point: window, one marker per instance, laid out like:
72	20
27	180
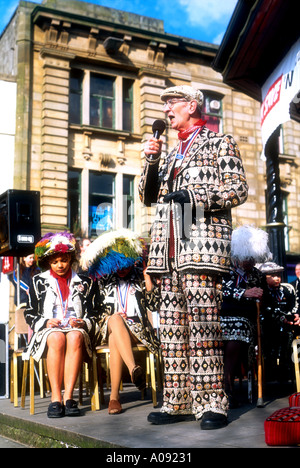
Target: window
74	190
101	101
101	203
212	111
128	202
75	96
127	105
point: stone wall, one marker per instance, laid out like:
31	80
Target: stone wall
47	146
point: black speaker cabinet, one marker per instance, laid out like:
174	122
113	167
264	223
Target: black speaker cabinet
20	225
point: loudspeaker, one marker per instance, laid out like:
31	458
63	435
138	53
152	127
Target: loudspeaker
20	225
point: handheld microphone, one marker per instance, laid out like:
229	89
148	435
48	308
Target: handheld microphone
158	127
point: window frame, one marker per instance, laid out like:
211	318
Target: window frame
213	96
75	92
129	202
119	201
78	193
118	101
130	101
111	196
101	98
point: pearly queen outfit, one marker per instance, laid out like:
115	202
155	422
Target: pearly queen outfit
45	302
191	263
130	298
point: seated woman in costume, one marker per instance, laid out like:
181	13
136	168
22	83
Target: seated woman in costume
61	313
126	292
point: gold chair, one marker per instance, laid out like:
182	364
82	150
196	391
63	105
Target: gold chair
153	373
89	378
21	330
29	370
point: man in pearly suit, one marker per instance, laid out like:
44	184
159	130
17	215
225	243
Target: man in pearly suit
194	187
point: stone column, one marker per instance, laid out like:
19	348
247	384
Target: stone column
151	88
23	110
55	133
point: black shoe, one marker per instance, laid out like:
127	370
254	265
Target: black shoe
212	420
56	410
71	408
166	418
138	377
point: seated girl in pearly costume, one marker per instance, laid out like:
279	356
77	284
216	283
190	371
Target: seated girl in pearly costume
62	314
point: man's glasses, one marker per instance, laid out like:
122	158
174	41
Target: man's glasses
171	102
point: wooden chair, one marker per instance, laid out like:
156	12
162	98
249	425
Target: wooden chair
153	373
89	378
21	330
29	370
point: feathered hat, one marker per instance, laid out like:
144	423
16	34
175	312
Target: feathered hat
53	243
113	251
250	243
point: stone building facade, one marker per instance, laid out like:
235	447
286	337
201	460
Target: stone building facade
89	80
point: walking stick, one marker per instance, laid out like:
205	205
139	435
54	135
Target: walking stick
260	402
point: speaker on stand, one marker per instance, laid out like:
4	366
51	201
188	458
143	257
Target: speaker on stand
20	230
20	225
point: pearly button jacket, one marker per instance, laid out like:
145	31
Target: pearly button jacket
212	173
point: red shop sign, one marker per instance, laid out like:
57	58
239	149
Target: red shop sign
7	265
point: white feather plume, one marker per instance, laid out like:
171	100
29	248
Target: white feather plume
249	242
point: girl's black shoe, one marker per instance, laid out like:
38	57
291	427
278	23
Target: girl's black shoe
71	408
56	410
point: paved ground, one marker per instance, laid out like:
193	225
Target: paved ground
131	429
8	443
